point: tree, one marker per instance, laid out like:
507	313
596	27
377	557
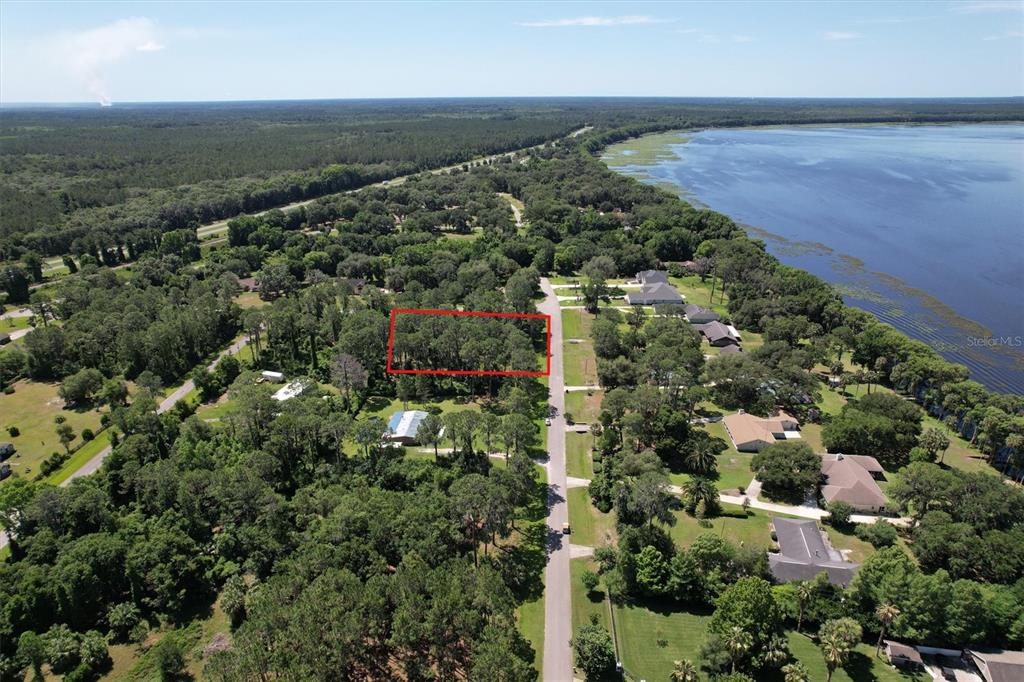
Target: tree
32	650
795	672
114	392
886	614
738	641
232	599
518	433
652	571
170	659
590	581
788	471
701	456
881	533
839	514
429	431
933	440
700	490
836	640
65	434
347	373
804	592
683	671
368	432
595	653
80	386
750	605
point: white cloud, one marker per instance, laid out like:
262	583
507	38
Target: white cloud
986	6
593	21
89	54
841	35
1005	35
742	39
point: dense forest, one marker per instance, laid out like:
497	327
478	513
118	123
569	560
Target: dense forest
305	527
82	180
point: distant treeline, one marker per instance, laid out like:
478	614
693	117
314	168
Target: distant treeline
85	180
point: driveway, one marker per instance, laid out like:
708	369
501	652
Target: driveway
557	586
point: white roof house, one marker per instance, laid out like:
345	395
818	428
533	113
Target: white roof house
291	390
275	377
402	426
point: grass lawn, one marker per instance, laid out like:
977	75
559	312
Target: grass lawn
862	666
576	324
79	458
584	604
651	639
584	406
580	364
733	466
216	410
752	528
589	525
13	324
31	408
577	455
250	299
530	617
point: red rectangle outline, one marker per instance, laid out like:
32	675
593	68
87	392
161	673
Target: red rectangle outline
464	372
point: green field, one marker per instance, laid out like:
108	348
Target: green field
589	525
579	364
577	455
576	324
31	408
584	406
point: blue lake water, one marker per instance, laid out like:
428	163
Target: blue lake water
921	225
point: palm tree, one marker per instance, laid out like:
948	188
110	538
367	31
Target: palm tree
701	457
834	653
795	672
738	642
804	592
775	652
700	489
886	614
683	671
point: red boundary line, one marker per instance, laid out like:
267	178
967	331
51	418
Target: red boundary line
395	312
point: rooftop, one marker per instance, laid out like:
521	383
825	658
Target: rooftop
405	424
998	665
803	554
850	479
744	427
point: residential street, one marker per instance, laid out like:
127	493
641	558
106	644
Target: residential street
557	587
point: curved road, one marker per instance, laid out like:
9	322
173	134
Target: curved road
557	586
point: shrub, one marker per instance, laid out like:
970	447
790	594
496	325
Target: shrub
880	533
8	390
839	514
122	619
13	431
590	580
87	435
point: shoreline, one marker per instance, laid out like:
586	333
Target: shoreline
934	322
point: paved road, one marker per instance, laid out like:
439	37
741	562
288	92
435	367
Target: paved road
557	587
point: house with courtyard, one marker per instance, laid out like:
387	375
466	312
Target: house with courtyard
853	479
750	433
804	552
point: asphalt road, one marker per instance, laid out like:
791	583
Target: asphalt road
557	587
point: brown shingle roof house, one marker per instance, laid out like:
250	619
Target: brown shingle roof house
998	666
750	433
851	479
717	333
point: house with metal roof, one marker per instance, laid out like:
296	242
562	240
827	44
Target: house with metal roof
804	552
402	426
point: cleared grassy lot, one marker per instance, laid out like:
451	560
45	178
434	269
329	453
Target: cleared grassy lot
576	324
32	408
584	406
577	455
590	526
579	364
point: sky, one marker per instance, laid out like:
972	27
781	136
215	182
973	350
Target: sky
196	51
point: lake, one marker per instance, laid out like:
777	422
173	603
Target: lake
921	225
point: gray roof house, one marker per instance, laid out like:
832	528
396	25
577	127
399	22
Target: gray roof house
998	666
652	277
6	450
658	293
717	333
698	314
803	554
